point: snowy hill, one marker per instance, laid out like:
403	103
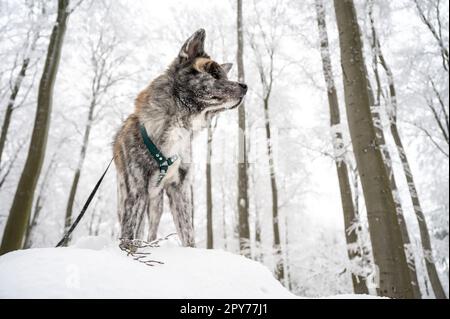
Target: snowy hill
94	269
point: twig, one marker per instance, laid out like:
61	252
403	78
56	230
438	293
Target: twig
131	247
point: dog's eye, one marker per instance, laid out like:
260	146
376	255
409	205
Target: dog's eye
215	74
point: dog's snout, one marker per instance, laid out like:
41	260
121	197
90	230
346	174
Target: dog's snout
243	87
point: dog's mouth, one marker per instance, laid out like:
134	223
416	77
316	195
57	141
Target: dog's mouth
241	99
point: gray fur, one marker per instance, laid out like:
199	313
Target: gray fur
176	104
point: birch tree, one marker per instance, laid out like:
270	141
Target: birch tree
387	244
20	211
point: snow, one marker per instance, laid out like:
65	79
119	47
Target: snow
92	268
96	268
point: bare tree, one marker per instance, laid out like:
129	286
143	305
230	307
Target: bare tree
266	69
104	67
40	199
209	197
20	211
353	249
375	102
258	252
288	280
435	28
435	103
6	169
387	244
392	114
242	194
29	47
430	14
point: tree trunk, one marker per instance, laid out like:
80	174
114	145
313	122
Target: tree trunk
424	234
23	199
359	282
192	168
76	177
258	254
381	141
387	244
348	208
279	268
363	246
39	203
288	283
242	200
15	91
224	223
258	247
10	106
209	204
10	165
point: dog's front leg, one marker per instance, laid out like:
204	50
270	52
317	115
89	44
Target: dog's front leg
181	207
154	213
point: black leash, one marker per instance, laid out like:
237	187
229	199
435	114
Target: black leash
83	210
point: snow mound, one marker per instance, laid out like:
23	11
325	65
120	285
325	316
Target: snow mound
94	269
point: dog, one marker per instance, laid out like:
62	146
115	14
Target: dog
172	108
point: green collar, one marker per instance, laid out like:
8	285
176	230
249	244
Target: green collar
162	161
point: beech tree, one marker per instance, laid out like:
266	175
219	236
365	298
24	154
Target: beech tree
24	63
348	208
17	222
104	64
387	244
392	106
265	51
242	193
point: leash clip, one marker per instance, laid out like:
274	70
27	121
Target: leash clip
164	167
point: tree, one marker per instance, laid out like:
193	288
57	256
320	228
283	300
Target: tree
436	31
265	59
392	115
242	195
28	242
434	23
6	169
104	68
375	102
20	211
387	244
33	35
348	208
209	197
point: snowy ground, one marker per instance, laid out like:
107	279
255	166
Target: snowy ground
93	268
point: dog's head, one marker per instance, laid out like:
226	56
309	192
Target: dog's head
200	83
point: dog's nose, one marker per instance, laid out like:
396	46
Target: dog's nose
244	87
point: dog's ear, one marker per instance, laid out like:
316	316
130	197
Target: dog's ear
194	46
227	67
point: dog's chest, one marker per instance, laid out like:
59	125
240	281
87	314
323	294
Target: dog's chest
177	142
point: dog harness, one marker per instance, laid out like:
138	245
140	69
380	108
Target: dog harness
162	161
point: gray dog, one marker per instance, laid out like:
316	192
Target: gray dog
174	105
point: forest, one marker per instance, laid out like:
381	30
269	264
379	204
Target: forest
333	173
